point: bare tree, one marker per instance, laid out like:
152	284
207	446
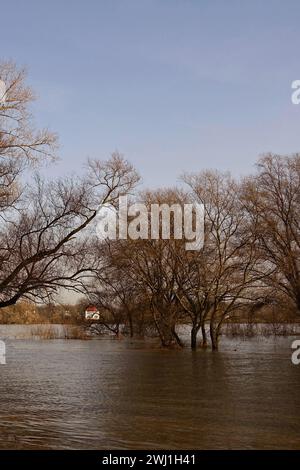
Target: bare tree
272	198
229	274
20	143
18	138
45	245
193	291
113	288
45	233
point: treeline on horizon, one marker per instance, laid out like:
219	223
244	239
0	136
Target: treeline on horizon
250	258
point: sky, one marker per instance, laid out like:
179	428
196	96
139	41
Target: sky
173	85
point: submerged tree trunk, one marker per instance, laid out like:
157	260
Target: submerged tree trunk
194	333
178	340
130	322
204	335
214	337
166	333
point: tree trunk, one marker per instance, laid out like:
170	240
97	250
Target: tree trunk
130	324
214	338
117	331
194	332
204	336
178	340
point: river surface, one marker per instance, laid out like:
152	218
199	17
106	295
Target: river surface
121	394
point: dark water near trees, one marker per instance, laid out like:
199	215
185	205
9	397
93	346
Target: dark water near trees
119	394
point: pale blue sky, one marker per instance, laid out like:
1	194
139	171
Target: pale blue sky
174	85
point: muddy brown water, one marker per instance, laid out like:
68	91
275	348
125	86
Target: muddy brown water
110	394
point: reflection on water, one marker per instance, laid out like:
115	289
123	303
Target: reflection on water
104	394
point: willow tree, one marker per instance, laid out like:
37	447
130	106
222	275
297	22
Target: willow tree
45	225
21	144
272	199
226	275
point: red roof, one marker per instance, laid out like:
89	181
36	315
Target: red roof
91	308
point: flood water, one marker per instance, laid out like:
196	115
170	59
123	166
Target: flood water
118	394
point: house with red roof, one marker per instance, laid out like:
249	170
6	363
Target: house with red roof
91	313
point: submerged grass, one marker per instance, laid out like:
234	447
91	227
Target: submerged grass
250	330
58	332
